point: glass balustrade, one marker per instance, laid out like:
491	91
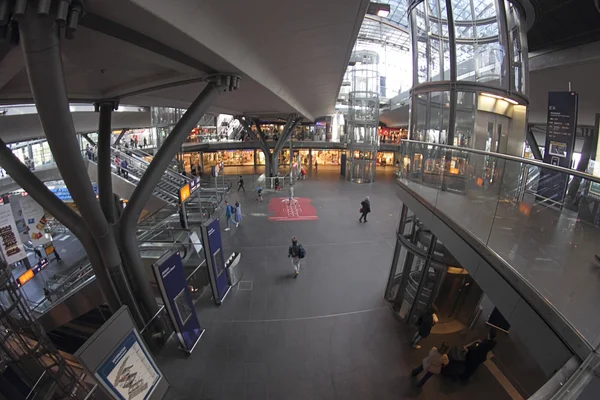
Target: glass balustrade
544	222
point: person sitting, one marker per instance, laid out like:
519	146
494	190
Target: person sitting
477	354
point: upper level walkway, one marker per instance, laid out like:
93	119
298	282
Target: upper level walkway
545	249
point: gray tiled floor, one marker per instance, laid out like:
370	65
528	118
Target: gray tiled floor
327	334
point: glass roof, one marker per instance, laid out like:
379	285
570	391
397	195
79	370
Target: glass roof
376	30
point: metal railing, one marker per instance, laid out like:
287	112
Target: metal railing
521	210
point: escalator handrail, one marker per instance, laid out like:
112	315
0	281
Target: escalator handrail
177	176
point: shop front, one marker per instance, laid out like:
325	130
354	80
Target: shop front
237	158
392	135
385	158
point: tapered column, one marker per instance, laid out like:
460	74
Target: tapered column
105	190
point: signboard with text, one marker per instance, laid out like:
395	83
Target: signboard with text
35	219
560	143
213	247
10	242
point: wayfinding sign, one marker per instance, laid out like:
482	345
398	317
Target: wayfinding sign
560	143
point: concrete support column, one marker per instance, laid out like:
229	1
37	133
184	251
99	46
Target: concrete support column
255	159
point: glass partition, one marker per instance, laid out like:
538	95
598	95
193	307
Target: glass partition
552	245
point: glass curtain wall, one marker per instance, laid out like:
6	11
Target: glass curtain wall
463	50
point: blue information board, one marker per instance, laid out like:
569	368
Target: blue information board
211	232
178	300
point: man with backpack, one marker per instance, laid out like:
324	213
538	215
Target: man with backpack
365	208
296	252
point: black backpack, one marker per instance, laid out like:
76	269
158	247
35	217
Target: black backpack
301	251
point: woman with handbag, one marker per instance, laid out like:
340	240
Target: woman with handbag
365	208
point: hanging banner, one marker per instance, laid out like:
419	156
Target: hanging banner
15	206
560	143
178	300
35	219
10	242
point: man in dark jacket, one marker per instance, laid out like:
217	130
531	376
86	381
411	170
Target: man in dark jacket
477	354
425	322
365	208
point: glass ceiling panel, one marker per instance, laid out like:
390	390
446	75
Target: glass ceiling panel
378	32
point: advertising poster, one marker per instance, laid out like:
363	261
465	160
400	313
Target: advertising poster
10	242
560	143
216	249
35	219
129	372
15	206
178	300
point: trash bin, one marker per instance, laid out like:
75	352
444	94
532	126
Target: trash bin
234	274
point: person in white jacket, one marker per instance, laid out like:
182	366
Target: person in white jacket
433	363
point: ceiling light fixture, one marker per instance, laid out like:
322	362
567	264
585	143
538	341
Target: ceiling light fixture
378	9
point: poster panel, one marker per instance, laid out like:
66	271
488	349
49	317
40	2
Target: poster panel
10	242
178	300
129	373
215	247
35	219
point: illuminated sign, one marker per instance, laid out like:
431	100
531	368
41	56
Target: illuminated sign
25	277
184	193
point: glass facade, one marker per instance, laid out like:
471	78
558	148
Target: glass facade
469	71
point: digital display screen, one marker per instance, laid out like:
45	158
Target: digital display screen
25	277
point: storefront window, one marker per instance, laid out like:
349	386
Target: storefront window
232	158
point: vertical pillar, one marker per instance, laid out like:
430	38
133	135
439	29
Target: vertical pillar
105	191
255	159
40	42
310	162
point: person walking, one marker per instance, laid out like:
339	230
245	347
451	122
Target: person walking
365	208
316	165
260	196
432	364
238	213
296	252
229	212
241	184
124	170
48	295
118	165
477	354
38	253
56	256
425	322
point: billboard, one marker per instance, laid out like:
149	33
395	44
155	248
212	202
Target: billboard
35	219
10	242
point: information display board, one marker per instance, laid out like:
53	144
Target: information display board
35	219
118	359
177	298
560	141
213	248
129	372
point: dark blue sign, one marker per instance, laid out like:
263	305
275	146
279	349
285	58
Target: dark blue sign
560	143
194	185
178	300
129	372
215	248
37	268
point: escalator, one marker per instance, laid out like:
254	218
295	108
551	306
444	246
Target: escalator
72	335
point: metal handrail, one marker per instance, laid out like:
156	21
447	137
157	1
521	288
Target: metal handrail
535	163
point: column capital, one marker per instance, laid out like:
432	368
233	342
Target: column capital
224	80
114	104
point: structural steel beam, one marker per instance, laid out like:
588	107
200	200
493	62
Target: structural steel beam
121	32
160	162
533	144
40	42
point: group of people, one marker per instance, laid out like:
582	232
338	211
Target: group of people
464	362
91	152
122	167
233	213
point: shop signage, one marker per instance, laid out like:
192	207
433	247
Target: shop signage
10	242
184	193
177	298
560	141
35	219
